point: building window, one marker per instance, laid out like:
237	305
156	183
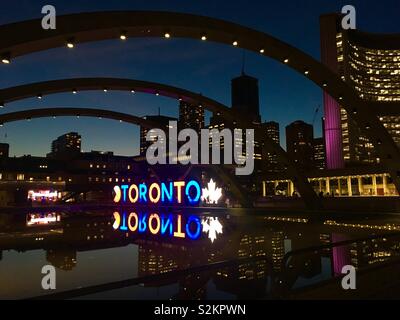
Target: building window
20	176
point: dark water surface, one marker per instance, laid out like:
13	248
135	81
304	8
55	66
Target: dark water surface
89	248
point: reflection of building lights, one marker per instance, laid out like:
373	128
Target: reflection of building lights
286	219
42	194
211	194
212	226
42	219
390	227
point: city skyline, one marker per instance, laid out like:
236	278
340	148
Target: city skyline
136	59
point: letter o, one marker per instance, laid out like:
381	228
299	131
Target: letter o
133	228
157	187
157	218
198	190
135	199
195	235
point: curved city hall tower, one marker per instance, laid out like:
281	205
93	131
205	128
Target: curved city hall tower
332	126
369	63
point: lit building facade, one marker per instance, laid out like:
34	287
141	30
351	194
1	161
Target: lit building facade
66	146
370	64
319	153
271	158
191	116
163	122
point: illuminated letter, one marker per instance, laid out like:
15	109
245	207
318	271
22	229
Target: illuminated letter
157	198
198	191
124	187
142	223
179	185
142	192
164	192
117	191
123	227
117	220
165	223
196	220
179	233
133	200
157	218
133	215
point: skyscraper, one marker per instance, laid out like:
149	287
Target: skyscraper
191	116
300	143
270	158
319	153
245	96
66	146
369	63
163	122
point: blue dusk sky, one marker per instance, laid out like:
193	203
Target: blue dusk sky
204	67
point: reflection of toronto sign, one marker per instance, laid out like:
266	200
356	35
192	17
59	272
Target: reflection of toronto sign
174	192
170	225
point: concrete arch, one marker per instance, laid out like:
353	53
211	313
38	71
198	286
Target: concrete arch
122	117
79	112
68	85
86	84
84	27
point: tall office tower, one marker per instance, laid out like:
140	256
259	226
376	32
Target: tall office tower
4	150
269	156
245	97
163	123
299	143
319	153
369	63
245	100
191	116
66	146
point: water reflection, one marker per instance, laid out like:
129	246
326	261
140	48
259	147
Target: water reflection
90	248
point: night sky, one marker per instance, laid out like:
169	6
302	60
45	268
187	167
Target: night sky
204	67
